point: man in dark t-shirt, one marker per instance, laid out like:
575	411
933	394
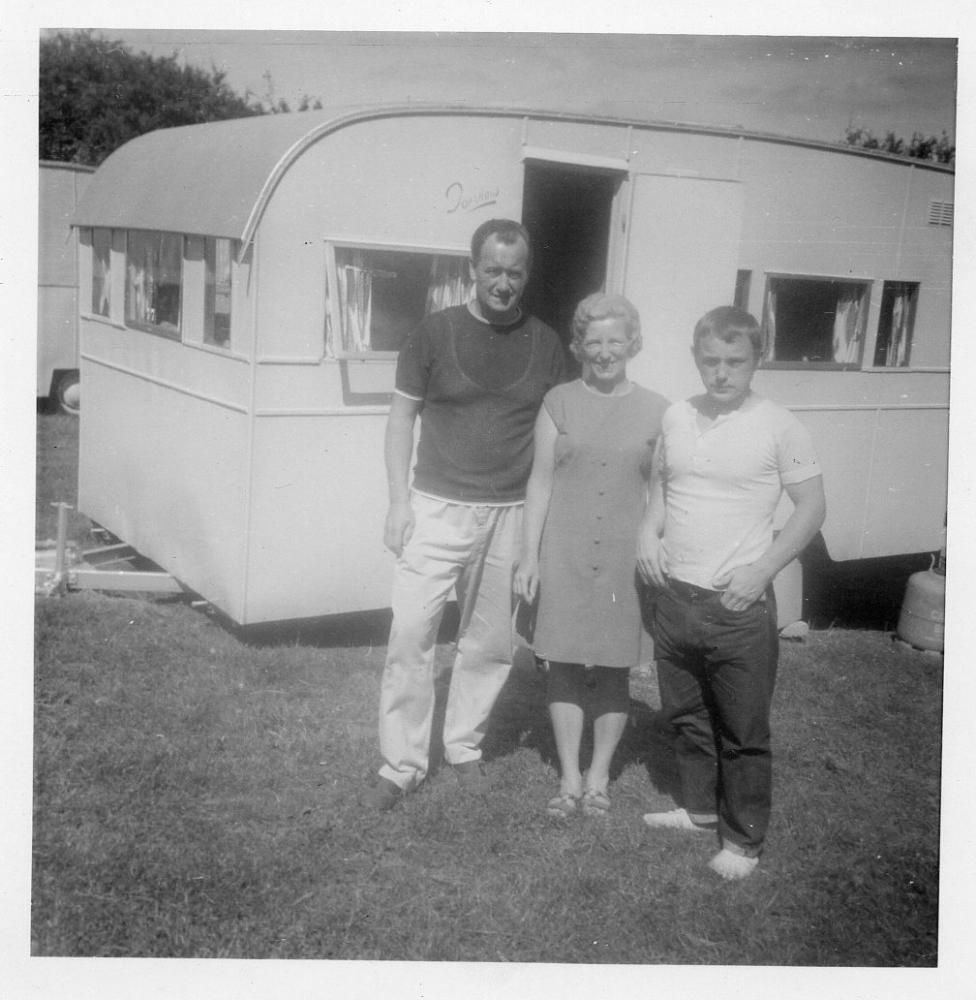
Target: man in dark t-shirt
475	375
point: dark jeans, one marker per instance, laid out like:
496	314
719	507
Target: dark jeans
716	671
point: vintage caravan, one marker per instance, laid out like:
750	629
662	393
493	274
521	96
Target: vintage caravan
60	187
246	284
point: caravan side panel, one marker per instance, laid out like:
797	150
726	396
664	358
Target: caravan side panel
165	445
317	517
683	245
881	432
61	185
171	482
318	493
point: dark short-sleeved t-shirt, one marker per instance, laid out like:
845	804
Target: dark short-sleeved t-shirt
481	386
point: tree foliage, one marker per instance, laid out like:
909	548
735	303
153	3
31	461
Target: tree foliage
919	147
96	94
274	105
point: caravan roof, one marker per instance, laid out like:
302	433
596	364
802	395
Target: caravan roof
214	179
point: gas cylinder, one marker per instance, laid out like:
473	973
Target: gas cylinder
922	620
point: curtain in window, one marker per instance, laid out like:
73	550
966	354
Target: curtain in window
848	327
899	334
138	282
769	323
101	271
408	281
450	283
355	302
217	291
153	278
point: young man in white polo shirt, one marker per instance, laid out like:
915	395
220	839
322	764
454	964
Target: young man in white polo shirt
707	544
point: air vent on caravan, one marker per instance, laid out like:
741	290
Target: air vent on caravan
940	213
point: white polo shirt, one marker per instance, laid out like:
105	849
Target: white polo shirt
722	485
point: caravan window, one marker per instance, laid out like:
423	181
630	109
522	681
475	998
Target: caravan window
814	321
375	297
896	324
101	272
153	276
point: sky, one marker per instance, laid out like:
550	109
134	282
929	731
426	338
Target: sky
812	87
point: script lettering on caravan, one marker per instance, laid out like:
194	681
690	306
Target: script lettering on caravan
458	201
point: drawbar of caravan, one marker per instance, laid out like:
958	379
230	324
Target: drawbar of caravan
60	187
246	285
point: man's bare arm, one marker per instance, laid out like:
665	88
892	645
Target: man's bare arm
398	450
650	557
745	585
525	582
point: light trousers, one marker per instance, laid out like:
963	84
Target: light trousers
471	550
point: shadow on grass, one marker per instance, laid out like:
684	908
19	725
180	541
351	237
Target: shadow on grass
859	594
357	628
520	719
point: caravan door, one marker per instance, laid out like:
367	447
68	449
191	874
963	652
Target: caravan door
569	209
682	255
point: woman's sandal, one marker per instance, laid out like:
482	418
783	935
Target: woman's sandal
595	802
563	805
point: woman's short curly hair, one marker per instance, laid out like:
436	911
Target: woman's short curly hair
605	305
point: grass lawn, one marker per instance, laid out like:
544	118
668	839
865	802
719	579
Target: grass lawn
57	479
196	795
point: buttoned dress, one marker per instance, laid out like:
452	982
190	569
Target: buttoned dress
588	603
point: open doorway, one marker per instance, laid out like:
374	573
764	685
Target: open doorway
567	209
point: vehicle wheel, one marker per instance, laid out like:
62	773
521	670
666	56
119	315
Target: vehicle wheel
67	393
